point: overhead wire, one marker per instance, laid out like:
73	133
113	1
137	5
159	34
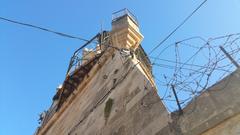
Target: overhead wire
43	29
181	24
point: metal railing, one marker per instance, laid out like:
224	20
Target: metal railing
93	44
124	12
76	59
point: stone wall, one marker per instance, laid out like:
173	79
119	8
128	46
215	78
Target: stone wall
135	107
117	98
215	112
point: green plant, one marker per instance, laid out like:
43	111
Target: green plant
108	108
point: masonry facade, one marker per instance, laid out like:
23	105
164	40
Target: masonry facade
113	92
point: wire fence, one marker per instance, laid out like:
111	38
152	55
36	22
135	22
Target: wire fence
192	65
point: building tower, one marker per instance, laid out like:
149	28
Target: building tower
109	89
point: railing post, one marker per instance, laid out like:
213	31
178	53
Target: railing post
175	94
229	57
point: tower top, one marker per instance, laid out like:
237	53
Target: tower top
124	12
125	30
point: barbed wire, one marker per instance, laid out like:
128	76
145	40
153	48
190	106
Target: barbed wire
193	65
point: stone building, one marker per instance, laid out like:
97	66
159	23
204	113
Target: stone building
111	91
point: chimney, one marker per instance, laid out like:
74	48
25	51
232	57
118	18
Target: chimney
125	30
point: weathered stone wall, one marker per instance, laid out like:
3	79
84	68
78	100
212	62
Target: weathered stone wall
119	99
230	126
214	106
215	112
135	107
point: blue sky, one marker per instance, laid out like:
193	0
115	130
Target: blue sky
33	63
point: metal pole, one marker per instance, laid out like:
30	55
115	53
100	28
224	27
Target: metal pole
229	57
175	94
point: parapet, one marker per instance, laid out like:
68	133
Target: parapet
125	30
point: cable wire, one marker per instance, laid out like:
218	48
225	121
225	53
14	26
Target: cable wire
43	29
184	21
